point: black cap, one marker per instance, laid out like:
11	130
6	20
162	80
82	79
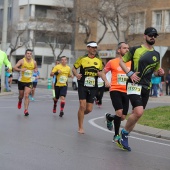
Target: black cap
151	30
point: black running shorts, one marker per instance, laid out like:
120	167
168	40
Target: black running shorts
87	93
60	91
120	100
22	85
140	100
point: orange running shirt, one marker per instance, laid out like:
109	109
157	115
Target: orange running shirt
119	78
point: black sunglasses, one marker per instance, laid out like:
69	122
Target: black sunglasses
152	35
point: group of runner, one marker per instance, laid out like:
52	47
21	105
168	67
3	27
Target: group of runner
131	73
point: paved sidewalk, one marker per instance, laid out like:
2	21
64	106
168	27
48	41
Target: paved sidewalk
159	133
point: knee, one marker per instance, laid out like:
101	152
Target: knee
88	110
138	114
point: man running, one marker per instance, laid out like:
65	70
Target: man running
145	62
89	64
120	100
62	71
25	66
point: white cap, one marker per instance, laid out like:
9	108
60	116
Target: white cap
92	44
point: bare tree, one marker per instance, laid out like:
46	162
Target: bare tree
15	43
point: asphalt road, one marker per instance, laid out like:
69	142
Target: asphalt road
44	141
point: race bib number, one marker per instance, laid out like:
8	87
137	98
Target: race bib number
100	84
33	79
63	79
28	73
121	79
89	82
134	89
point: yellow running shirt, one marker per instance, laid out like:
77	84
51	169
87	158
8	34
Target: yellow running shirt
63	76
26	76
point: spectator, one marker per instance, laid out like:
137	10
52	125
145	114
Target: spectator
155	80
167	79
7	74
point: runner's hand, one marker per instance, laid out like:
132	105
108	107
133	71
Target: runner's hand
79	76
107	84
134	77
161	72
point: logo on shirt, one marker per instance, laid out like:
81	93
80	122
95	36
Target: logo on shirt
95	63
154	58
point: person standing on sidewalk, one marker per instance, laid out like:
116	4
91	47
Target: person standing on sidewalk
167	79
25	66
89	64
62	71
145	61
119	98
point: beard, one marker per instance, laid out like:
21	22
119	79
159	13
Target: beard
150	42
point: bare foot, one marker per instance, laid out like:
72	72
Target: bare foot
81	131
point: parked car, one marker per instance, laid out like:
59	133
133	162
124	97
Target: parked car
75	84
15	76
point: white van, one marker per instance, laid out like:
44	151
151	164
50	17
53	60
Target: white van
75	83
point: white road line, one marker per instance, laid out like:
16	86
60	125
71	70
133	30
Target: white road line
92	122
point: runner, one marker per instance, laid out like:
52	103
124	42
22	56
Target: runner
35	77
62	72
25	66
145	62
89	65
119	98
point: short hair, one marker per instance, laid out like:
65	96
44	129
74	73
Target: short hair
28	50
63	57
119	46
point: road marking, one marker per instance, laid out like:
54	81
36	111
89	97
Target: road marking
92	122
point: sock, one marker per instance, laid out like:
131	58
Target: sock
117	121
62	104
53	91
110	117
124	131
55	103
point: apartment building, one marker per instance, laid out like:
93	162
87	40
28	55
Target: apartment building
43	26
138	16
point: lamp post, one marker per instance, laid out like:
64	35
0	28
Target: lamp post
4	41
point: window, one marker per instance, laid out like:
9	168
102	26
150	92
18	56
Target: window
137	23
83	24
157	20
38	59
21	13
167	21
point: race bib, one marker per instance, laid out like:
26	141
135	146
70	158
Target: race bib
89	82
134	89
33	79
28	73
121	79
63	79
100	84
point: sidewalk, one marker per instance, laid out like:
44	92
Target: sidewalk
159	133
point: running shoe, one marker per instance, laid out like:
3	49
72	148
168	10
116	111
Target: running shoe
54	108
26	113
109	123
116	138
123	141
32	99
19	105
61	114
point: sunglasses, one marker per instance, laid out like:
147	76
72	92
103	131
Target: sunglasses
152	35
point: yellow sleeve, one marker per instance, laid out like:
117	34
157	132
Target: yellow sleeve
55	69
